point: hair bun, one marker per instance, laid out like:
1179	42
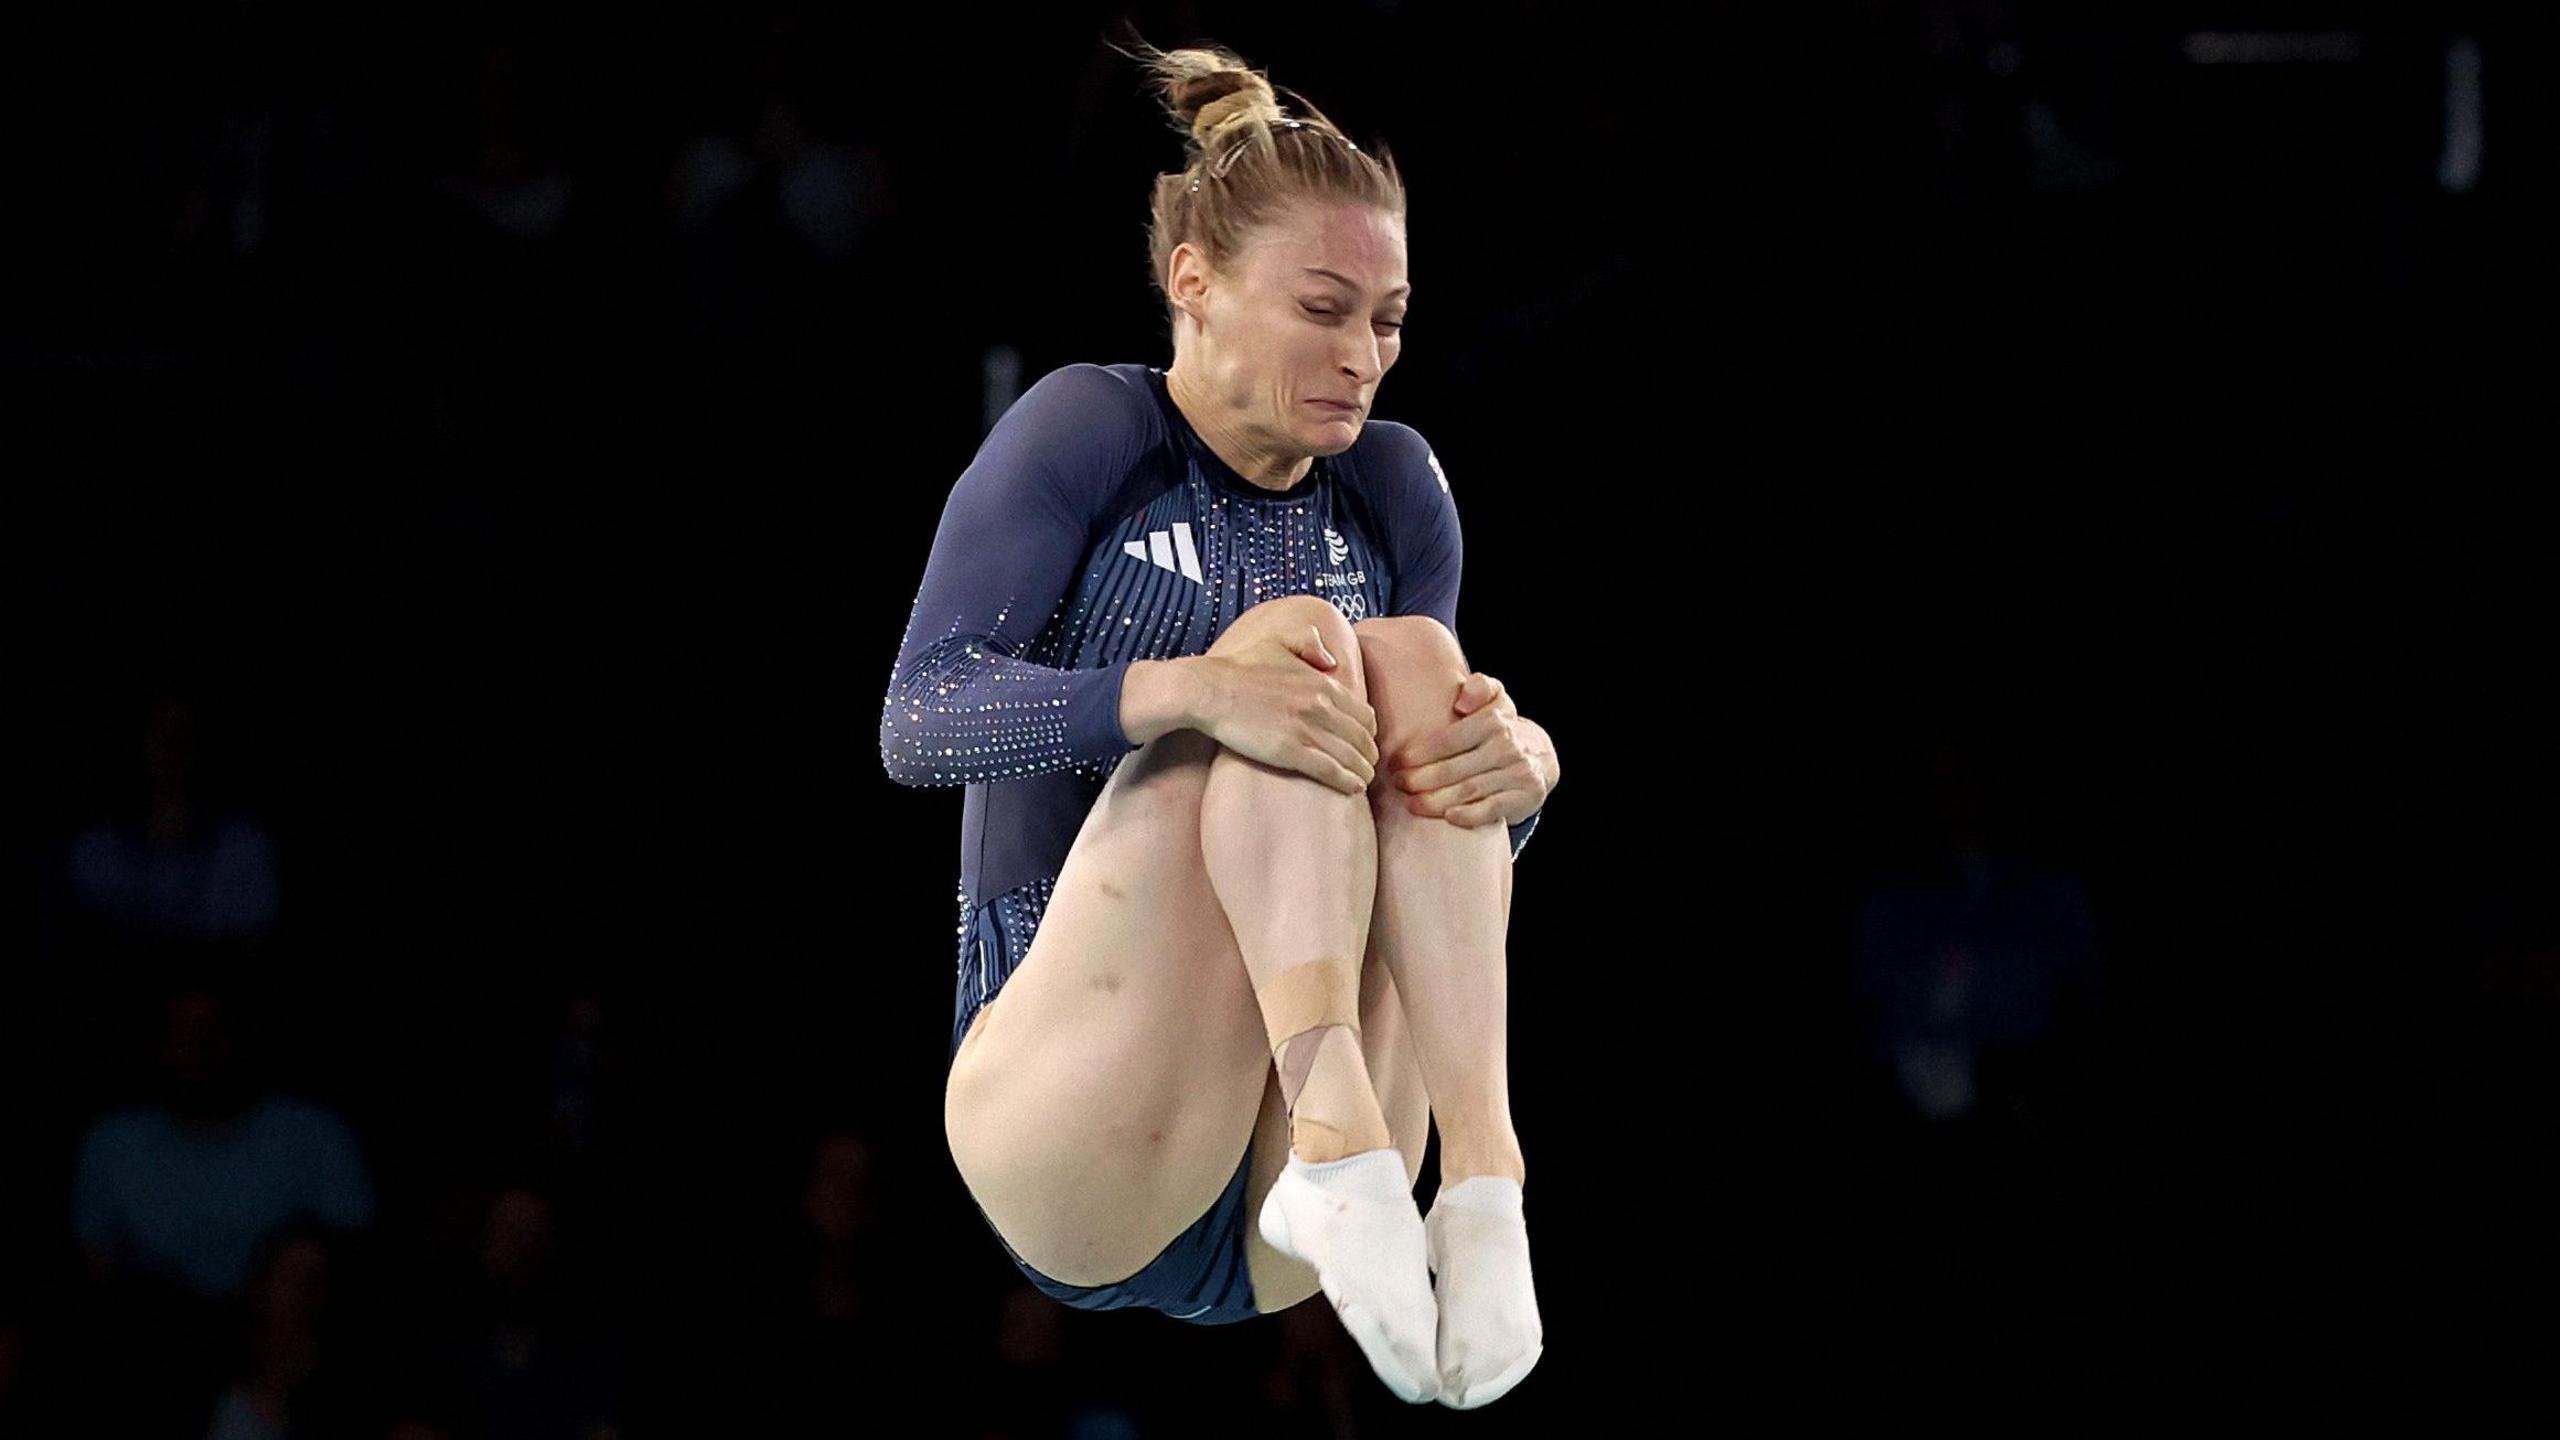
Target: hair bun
1210	90
1260	157
1239	102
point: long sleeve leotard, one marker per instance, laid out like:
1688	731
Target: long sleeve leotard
1094	529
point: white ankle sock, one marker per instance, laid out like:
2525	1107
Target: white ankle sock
1353	1220
1489	1333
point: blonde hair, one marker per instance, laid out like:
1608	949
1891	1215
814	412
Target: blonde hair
1245	159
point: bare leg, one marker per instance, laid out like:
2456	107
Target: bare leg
1097	1103
1442	908
1294	865
1443	903
1293	862
1279	1280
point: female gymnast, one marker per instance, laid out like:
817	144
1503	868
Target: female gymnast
1243	968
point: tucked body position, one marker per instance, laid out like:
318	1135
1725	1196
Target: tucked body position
1240	821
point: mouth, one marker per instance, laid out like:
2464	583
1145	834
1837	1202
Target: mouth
1336	407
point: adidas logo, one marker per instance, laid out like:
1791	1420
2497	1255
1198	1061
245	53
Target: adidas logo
1169	550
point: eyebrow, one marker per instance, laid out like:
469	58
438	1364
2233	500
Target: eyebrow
1348	282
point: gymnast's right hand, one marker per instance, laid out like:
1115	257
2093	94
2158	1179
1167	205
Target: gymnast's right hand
1284	702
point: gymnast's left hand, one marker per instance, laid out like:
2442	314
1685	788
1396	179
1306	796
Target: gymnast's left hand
1487	764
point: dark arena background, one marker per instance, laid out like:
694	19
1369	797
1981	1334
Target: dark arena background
2026	523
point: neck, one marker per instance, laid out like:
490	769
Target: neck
1269	469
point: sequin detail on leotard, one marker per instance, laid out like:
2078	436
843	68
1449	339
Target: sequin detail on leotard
993	939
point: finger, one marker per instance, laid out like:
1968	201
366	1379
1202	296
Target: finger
1442	799
1313	652
1358	772
1455	738
1440	774
1472	805
1323	765
1348	725
1308	648
1466	816
1367	745
1353	718
1488	809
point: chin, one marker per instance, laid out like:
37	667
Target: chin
1333	439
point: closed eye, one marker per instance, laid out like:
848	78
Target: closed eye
1321	311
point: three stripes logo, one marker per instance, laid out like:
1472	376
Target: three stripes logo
1169	550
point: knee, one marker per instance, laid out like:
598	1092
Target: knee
1414	666
1411	642
1292	614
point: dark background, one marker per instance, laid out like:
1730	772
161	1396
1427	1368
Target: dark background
1850	407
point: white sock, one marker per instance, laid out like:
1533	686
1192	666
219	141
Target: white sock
1490	1335
1353	1220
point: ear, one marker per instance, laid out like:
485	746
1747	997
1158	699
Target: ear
1187	279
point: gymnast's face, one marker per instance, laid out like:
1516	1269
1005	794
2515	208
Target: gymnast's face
1312	311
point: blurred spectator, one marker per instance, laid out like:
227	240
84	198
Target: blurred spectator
177	866
1042	1386
581	1073
287	1345
837	1204
187	1186
768	155
512	180
827	195
1027	1394
1971	954
517	1353
777	206
823	1343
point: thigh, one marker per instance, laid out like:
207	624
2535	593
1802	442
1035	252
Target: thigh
1096	1102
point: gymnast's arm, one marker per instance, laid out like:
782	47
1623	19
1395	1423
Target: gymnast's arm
963	705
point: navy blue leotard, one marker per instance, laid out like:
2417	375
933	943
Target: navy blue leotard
1093	529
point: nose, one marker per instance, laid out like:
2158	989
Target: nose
1362	364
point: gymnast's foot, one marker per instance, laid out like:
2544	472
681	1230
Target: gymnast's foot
1489	1331
1353	1220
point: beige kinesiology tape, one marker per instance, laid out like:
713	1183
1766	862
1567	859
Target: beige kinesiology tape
1299	1007
1318	993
